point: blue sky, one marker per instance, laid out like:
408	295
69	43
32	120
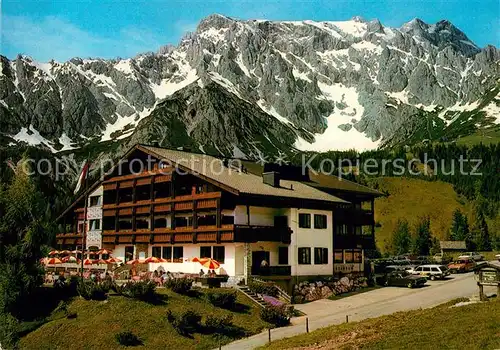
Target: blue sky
62	29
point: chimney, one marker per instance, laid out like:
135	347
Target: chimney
271	178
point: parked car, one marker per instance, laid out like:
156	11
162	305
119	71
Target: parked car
462	265
497	257
472	255
404	279
431	271
441	259
391	268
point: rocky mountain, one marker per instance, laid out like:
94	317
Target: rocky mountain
244	87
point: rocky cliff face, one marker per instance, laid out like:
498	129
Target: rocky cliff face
244	87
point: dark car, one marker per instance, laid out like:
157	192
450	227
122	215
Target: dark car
404	279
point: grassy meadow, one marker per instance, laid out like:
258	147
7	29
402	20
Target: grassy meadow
476	326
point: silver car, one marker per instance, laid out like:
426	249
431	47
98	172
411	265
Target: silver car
431	271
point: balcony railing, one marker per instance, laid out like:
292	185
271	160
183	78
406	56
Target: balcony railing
358	217
272	271
252	233
354	241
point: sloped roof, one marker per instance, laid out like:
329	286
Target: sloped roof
321	180
244	182
453	245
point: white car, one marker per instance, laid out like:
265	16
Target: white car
497	257
471	255
431	271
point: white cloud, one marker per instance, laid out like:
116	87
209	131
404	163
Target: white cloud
56	38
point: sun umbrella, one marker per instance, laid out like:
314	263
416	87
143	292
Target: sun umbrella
209	263
135	262
99	261
70	259
104	252
87	262
153	260
53	261
76	252
113	260
195	259
53	252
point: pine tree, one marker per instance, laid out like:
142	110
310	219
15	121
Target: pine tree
481	234
459	230
401	238
423	237
23	233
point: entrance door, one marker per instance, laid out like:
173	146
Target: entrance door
129	253
257	258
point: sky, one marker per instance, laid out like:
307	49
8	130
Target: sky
62	29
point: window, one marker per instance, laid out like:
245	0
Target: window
358	256
183	221
319	221
95	200
358	230
434	269
142	222
167	253
129	253
227	220
305	255
94	224
124	225
160	223
304	220
207	220
338	256
108	223
342	229
162	190
205	252
178	254
219	254
283	255
143	192
348	255
320	256
156	252
80	227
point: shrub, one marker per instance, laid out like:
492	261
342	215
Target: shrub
179	285
277	315
108	285
90	290
185	323
142	290
264	288
223	299
217	324
8	331
127	339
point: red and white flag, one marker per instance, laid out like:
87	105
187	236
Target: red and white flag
83	176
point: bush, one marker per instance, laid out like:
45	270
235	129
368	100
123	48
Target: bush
185	323
108	285
223	299
218	324
277	315
142	290
179	285
127	339
8	331
264	288
90	290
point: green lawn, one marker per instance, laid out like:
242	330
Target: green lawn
475	326
485	136
98	322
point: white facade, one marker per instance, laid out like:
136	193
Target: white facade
94	219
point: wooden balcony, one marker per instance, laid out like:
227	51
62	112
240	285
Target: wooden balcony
252	233
354	241
358	217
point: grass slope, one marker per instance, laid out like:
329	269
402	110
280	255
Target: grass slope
98	322
476	326
411	199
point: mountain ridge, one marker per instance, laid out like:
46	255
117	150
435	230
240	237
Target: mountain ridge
324	85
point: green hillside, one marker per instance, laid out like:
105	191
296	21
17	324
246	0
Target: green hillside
411	199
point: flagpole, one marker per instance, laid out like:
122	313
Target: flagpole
84	233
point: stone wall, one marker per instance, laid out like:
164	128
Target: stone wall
310	291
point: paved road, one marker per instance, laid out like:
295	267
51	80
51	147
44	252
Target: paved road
371	304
